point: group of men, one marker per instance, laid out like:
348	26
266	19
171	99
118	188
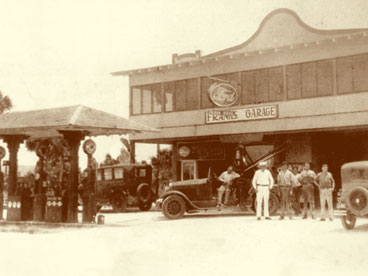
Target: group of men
289	182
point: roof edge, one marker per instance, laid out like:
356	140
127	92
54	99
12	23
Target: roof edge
239	46
298	20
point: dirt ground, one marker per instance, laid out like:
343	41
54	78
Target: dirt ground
148	244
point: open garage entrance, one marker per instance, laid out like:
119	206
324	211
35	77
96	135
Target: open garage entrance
338	147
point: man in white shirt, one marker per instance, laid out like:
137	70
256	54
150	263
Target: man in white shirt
227	179
262	183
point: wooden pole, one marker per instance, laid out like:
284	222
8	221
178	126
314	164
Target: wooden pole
132	152
13	142
88	194
73	138
1	192
14	201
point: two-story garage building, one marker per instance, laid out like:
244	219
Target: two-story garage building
288	81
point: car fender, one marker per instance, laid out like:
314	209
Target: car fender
187	200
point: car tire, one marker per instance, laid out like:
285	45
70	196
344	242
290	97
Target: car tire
348	221
119	203
173	207
357	201
273	204
145	206
144	193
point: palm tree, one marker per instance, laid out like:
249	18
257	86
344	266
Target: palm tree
5	103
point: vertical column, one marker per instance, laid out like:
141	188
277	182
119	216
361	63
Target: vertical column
13	146
284	81
89	203
174	161
14	201
73	138
132	152
39	202
2	155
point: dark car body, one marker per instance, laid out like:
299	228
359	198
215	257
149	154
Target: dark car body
352	200
124	186
201	194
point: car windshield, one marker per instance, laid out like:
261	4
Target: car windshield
99	175
141	172
108	174
118	173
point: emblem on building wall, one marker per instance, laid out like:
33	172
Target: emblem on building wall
222	94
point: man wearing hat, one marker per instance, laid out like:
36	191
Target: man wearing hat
262	183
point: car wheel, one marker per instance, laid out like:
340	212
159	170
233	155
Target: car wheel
145	206
348	221
173	207
273	204
119	204
357	201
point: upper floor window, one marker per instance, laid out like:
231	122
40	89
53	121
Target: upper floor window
352	74
147	99
181	95
310	79
292	81
262	85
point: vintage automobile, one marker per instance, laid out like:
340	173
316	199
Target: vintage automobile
196	195
124	185
200	194
352	200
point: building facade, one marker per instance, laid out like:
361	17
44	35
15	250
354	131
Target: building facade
288	82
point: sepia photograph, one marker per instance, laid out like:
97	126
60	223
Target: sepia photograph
177	138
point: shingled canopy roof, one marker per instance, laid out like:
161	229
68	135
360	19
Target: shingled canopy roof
47	123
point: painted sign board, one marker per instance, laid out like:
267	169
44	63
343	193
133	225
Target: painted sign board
243	114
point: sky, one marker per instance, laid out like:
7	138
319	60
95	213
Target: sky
60	53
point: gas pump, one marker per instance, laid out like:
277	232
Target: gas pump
39	204
89	202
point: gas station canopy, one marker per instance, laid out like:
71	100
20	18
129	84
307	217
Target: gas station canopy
47	123
72	123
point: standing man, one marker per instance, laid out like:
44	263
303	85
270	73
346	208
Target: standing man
307	179
297	189
285	180
326	184
262	184
227	179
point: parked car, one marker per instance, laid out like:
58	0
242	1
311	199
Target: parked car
200	195
352	199
124	186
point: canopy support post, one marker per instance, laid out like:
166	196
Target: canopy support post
73	139
13	142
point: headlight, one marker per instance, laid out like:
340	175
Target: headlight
170	184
